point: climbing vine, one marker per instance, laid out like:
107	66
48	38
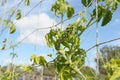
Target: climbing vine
70	57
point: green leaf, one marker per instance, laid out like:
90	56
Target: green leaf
61	1
66	44
107	18
115	6
81	28
101	12
48	39
118	1
28	68
55	8
84	2
12	28
116	74
57	45
3	47
69	12
33	58
18	16
38	60
42	61
87	3
50	55
27	2
77	42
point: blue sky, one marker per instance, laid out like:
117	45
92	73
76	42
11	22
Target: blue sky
41	17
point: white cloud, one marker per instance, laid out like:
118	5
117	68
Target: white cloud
32	22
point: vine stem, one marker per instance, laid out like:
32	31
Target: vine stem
13	70
97	38
79	72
